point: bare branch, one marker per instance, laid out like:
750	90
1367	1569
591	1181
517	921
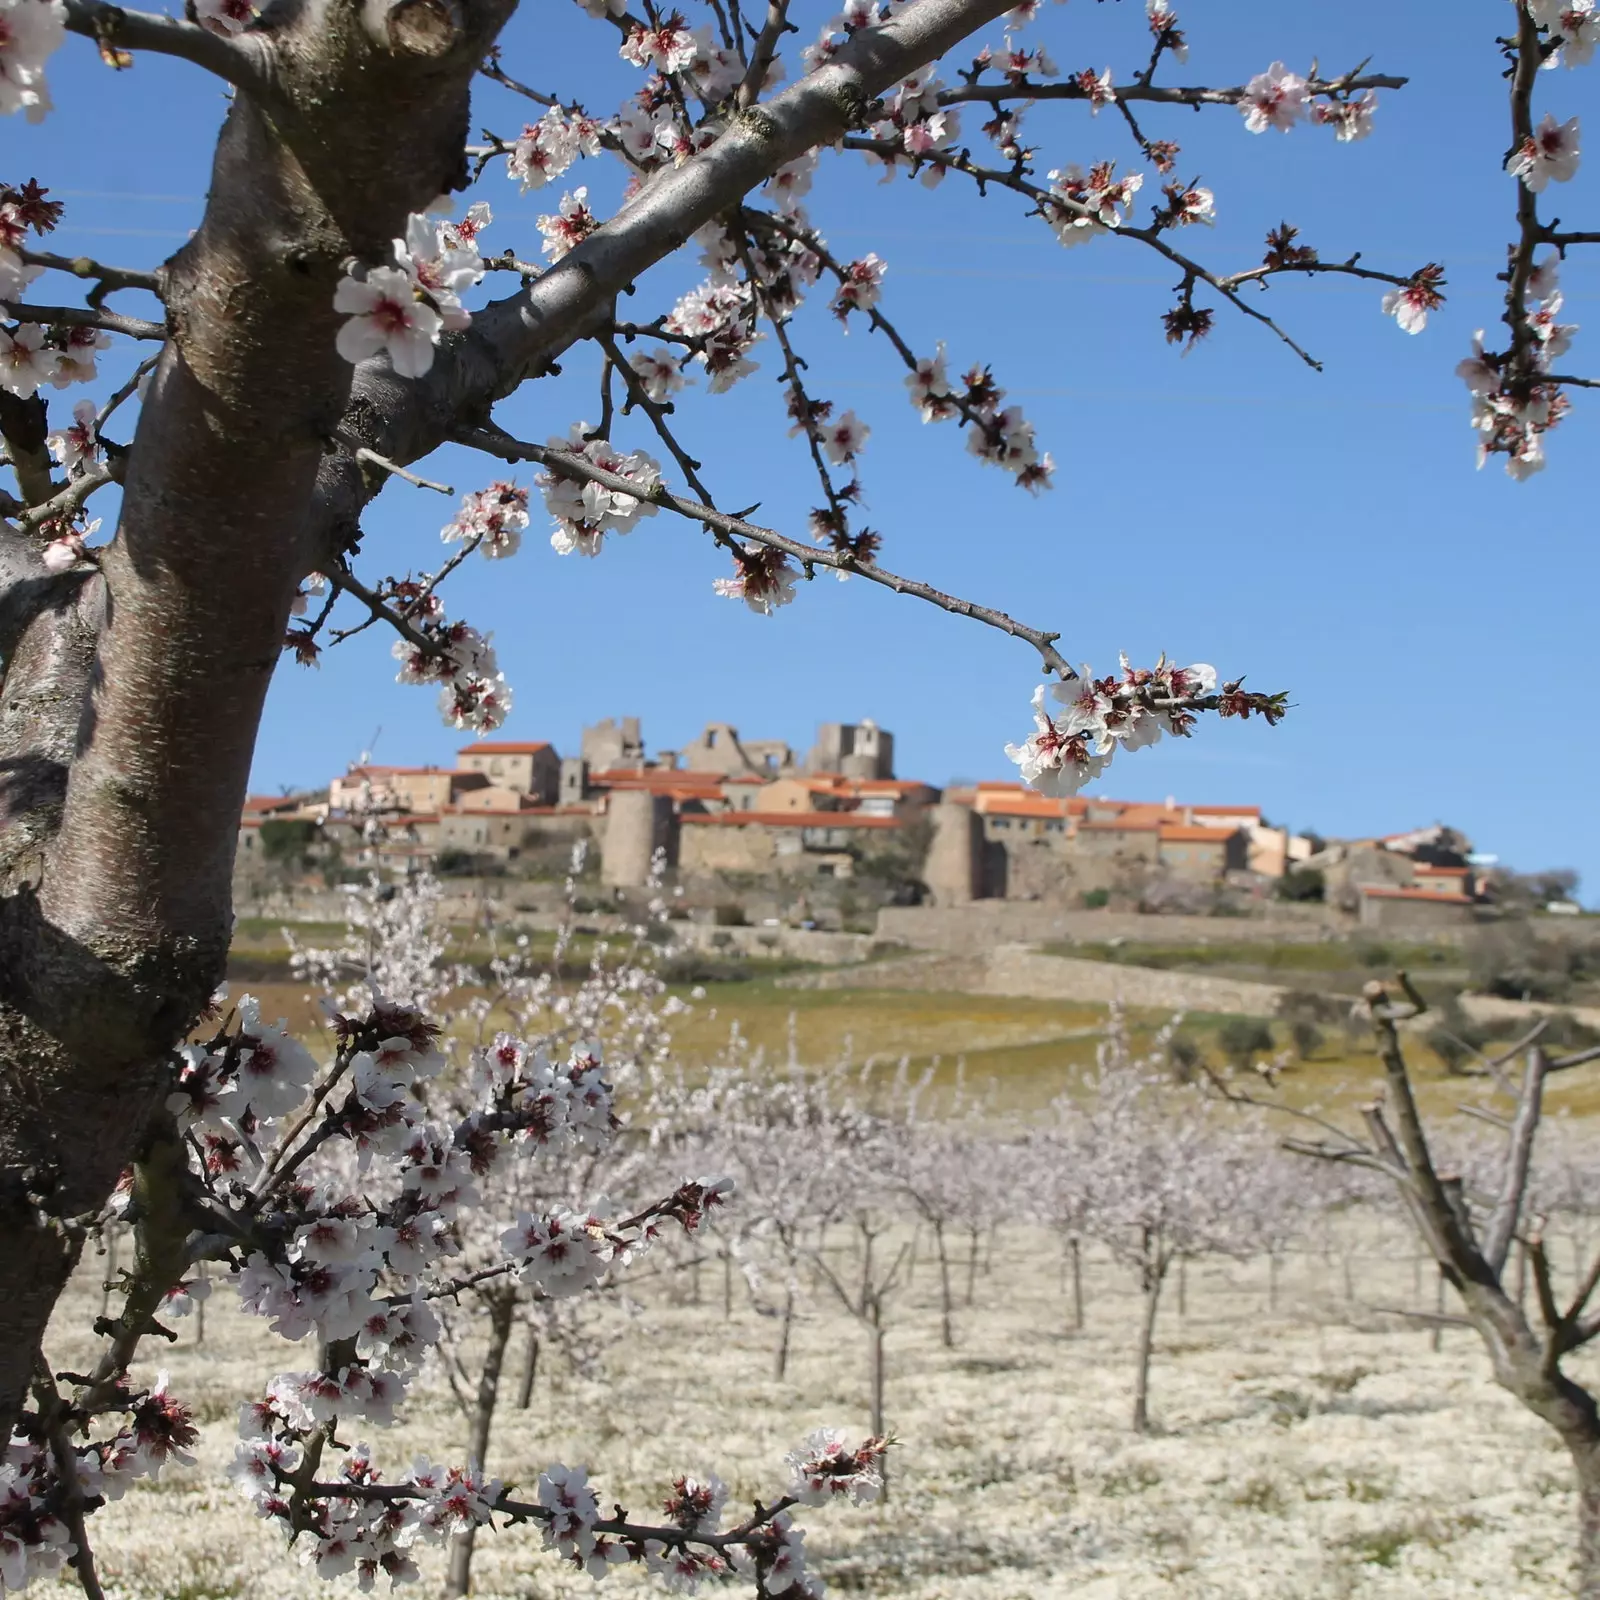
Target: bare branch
84	317
1519	1157
373	459
499	444
107	279
240	59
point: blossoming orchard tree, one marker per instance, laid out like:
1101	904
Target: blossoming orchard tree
328	326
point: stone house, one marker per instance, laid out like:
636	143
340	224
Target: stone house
1203	853
530	768
1417	910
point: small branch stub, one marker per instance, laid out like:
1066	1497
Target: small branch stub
427	28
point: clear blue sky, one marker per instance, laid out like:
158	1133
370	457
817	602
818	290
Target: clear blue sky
1324	533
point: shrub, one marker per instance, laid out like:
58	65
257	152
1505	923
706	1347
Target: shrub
1303	884
1242	1039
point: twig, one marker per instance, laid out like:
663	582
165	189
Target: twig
495	443
83	317
372	458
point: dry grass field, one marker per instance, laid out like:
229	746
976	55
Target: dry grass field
1319	1452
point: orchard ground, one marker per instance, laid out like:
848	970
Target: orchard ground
1320	1451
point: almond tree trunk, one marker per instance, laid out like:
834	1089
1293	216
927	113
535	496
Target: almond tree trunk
1585	1454
946	1295
502	1318
1153	1274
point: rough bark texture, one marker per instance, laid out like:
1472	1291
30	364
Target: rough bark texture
131	707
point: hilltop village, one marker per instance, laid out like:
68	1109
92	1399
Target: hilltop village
749	829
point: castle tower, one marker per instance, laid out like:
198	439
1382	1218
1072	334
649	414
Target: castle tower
637	824
952	868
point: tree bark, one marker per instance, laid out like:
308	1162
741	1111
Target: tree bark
502	1318
879	1384
785	1333
530	1368
1585	1454
129	715
1154	1273
946	1297
1076	1251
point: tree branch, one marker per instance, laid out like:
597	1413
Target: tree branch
241	59
502	445
1069	89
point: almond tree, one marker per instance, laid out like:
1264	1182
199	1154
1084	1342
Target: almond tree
1481	1234
312	343
1168	1184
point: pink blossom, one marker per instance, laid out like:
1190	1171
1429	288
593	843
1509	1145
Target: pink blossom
843	438
226	17
386	316
570	226
76	447
862	286
26	361
1350	119
671	47
1550	153
1275	98
30	33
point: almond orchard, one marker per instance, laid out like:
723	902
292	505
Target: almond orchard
465	1165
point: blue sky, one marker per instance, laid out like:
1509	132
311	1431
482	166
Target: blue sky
1320	532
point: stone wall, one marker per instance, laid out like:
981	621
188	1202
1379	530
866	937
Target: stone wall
985	924
1017	972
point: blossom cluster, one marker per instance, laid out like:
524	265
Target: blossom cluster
763	578
491	519
474	693
403	310
546	148
1100	716
1512	412
32	355
35	1538
584	511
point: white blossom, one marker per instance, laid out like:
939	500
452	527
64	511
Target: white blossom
387	316
1549	154
1275	98
30	33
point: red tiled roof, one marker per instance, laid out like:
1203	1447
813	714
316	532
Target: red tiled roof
1180	833
1226	811
1437	895
512	747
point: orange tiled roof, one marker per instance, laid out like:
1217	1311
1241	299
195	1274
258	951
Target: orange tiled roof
1226	811
511	747
1181	833
1438	895
1021	805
